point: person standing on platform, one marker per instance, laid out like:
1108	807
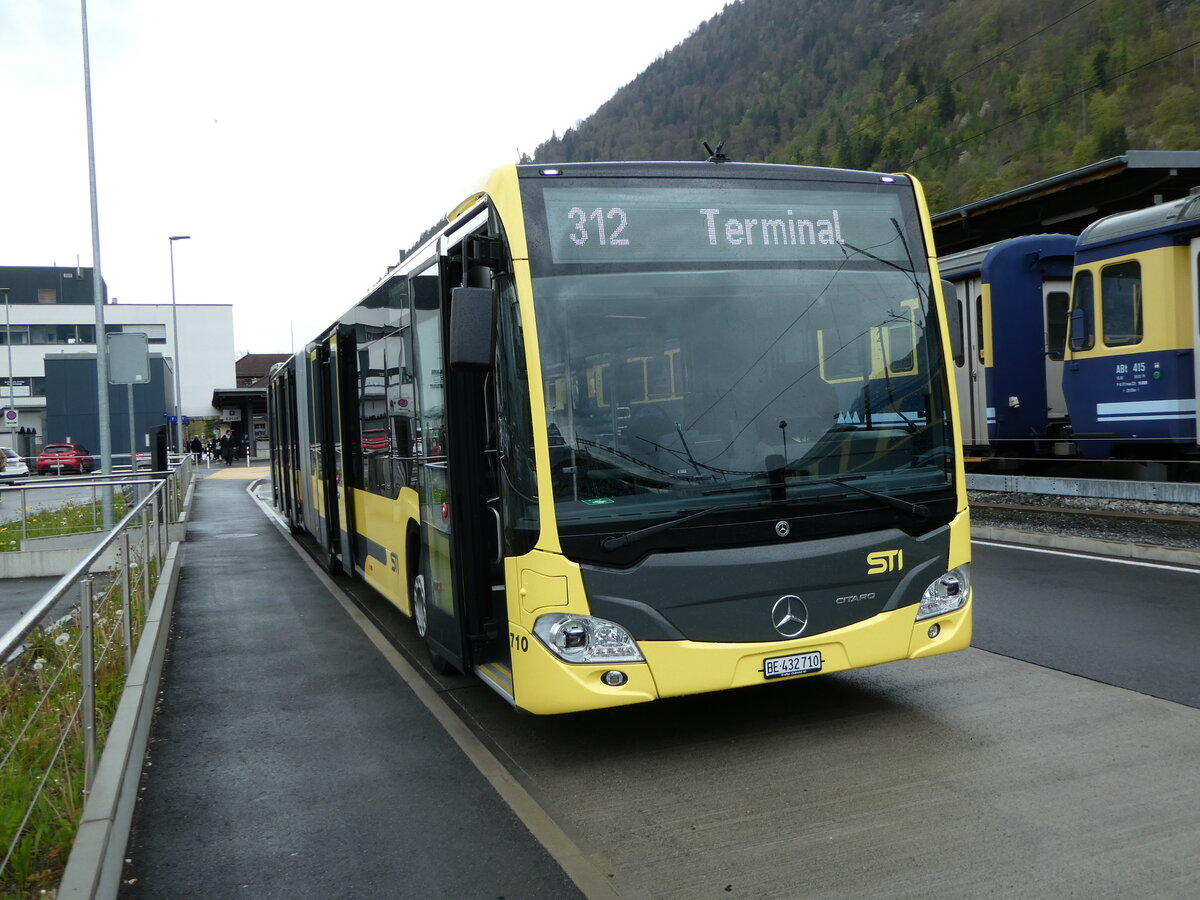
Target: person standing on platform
197	449
228	447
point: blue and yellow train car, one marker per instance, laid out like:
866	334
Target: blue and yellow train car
1013	298
1130	368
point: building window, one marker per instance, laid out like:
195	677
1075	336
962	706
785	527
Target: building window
47	295
155	334
61	334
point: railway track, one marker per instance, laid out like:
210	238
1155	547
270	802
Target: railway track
1163	524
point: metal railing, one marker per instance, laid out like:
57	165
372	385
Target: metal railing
37	495
62	669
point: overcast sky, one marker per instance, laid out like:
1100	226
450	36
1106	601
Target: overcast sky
299	144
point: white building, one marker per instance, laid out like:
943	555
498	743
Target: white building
51	310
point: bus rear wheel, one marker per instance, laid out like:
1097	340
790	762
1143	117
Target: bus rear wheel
420	609
420	617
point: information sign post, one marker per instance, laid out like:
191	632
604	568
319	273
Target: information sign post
129	364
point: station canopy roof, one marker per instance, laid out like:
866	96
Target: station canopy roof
1070	202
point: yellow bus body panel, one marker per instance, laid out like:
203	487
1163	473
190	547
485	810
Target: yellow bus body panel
383	523
545	685
541	583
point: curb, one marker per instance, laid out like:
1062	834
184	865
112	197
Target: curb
1118	549
97	856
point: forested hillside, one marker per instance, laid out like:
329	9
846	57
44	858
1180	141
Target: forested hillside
973	96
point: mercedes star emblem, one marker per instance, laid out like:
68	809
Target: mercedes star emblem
789	615
783	529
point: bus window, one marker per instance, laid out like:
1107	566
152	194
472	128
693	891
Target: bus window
374	450
1121	304
1056	323
518	477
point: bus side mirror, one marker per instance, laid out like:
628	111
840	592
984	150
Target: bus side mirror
1078	339
471	329
953	322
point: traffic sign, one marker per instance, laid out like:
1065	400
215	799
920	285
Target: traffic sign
10	417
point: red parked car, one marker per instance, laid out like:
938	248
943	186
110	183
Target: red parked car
59	458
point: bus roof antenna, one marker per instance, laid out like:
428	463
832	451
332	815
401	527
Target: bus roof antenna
715	156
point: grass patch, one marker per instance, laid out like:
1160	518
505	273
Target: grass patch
71	518
41	737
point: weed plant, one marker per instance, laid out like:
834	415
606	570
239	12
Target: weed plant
41	737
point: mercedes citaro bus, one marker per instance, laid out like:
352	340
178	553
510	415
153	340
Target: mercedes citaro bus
619	432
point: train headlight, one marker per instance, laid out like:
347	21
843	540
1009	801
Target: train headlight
947	594
586	639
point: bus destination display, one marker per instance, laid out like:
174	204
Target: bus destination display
692	224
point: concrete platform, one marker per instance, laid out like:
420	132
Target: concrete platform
288	758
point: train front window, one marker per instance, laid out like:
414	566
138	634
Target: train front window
1121	299
673	384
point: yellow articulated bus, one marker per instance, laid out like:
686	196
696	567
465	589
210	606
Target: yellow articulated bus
625	431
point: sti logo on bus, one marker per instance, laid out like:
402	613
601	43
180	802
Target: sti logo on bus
882	561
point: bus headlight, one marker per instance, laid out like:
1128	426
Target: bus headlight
946	594
585	639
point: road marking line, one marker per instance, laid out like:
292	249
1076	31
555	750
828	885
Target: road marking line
1089	556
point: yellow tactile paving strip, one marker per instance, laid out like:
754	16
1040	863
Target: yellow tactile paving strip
247	473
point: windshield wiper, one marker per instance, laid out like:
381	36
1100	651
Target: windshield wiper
916	510
617	541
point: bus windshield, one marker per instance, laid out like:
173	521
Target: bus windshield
689	368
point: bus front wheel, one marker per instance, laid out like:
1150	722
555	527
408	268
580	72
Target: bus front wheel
420	609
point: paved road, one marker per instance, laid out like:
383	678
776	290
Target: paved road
288	762
960	776
1133	625
17	596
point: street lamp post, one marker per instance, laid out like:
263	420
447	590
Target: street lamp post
12	403
179	448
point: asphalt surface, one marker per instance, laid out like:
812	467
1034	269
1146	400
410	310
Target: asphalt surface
1129	625
18	595
288	759
951	777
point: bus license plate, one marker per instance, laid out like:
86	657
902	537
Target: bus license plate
796	664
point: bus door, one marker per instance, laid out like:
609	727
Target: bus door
970	378
464	589
307	450
443	625
343	363
280	427
334	539
475	506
